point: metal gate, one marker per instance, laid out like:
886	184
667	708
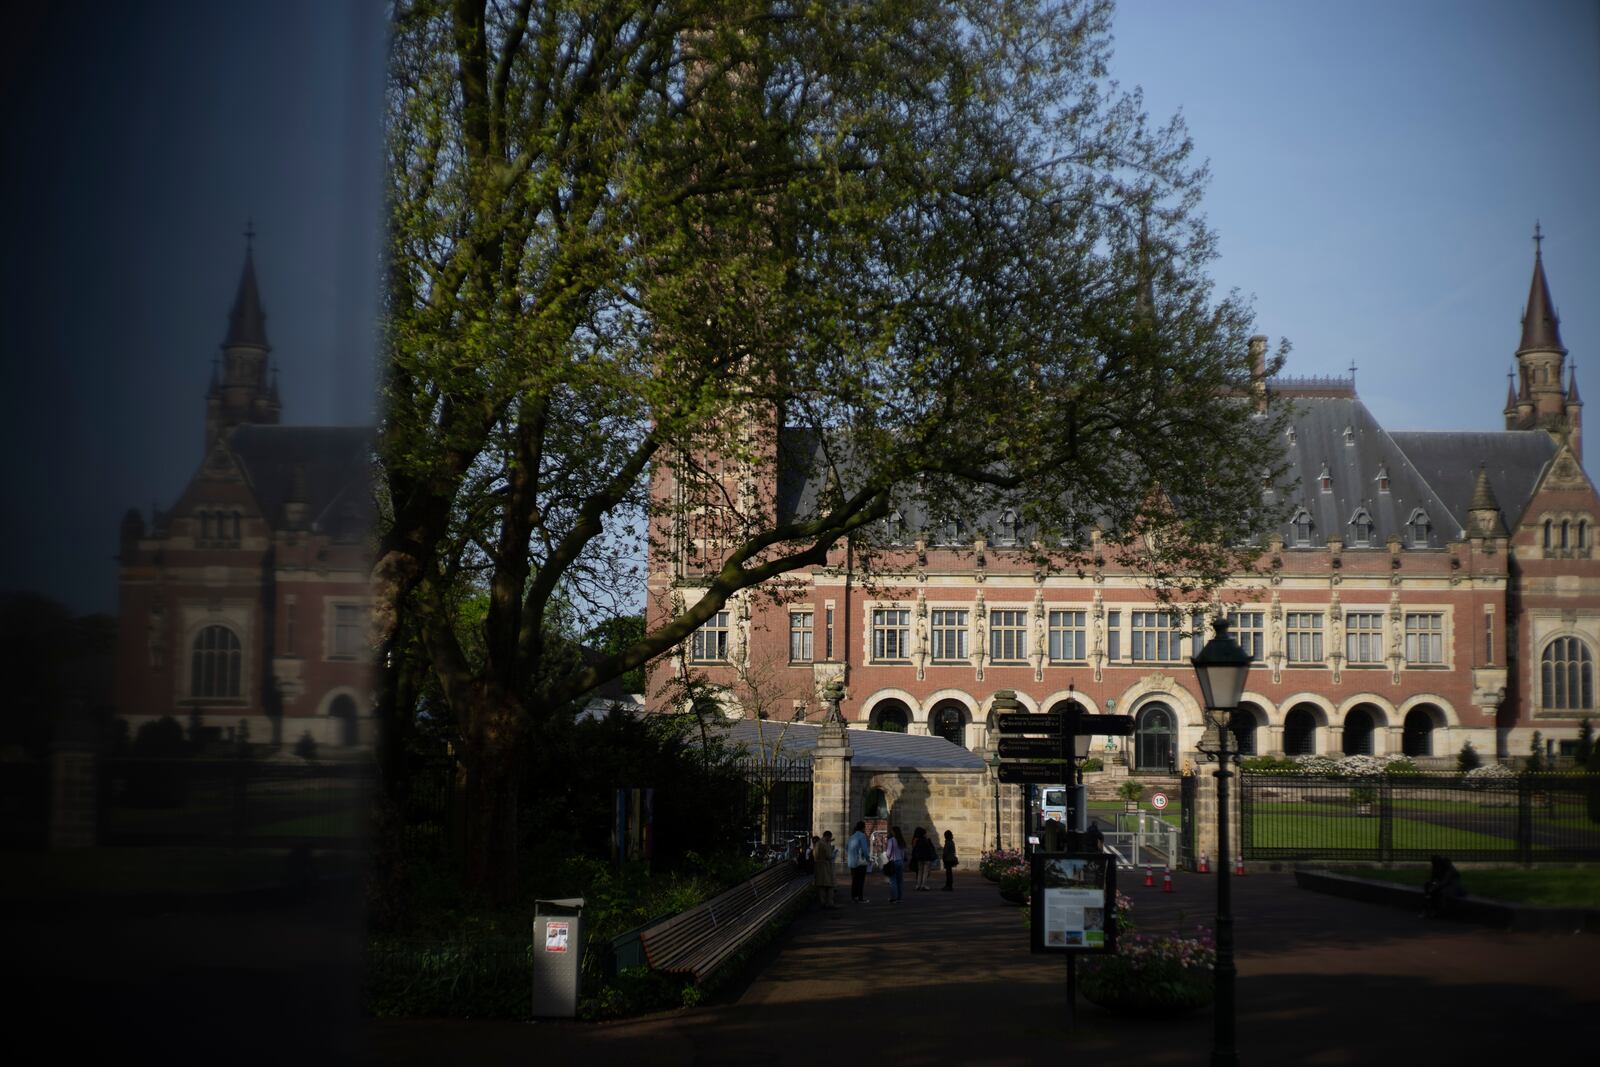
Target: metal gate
776	803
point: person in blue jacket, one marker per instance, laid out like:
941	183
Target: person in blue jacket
858	851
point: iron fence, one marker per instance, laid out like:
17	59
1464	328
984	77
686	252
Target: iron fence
1524	818
775	805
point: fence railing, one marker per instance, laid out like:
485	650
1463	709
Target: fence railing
1141	839
1524	818
776	803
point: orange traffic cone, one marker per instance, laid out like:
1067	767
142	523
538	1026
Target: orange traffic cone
1149	875
1166	881
1205	864
1238	867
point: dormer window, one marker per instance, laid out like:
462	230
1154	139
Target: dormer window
1291	435
1325	480
1418	529
1361	527
952	532
897	527
1010	528
1383	479
1349	436
1302	527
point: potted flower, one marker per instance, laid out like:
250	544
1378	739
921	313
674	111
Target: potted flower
1130	791
1150	975
991	862
1016	881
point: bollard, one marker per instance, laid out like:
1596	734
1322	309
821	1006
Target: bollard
1166	882
1238	867
1149	875
1205	864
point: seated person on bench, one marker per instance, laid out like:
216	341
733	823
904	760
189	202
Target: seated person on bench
1443	889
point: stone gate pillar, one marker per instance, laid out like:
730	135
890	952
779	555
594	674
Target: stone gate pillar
830	772
1205	814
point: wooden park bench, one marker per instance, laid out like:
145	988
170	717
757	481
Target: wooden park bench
698	941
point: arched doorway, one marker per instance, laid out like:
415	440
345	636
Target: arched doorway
1416	737
1300	731
1154	738
949	721
343	710
890	715
1358	727
1243	724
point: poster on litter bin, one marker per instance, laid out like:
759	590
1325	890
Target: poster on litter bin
555	937
1074	902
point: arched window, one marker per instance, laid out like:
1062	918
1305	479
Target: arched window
1567	671
891	716
1583	534
1549	528
1361	527
343	711
948	721
1242	724
205	526
1299	732
1302	527
235	518
1154	739
1010	528
1566	530
1417	737
214	663
1358	732
876	805
1418	529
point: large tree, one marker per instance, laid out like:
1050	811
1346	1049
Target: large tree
634	240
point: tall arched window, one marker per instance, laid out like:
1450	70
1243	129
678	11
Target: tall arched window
1418	529
1567	671
1361	527
1154	740
214	663
948	721
890	715
1299	732
1549	528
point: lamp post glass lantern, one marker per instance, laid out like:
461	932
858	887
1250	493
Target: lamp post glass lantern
1222	668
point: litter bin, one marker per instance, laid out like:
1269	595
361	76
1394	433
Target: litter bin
557	952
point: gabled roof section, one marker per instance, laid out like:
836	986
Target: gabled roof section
327	468
1341	434
1512	461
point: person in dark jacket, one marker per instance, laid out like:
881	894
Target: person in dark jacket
923	856
950	861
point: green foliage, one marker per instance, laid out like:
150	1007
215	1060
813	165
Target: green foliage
306	747
1468	758
1536	760
1130	790
1270	765
1093	764
160	739
617	635
1592	767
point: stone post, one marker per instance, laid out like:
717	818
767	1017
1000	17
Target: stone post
830	772
1205	814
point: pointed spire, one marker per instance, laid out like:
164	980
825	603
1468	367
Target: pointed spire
1511	391
247	323
1541	329
1485	509
1572	385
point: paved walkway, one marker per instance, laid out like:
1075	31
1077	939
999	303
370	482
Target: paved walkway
947	978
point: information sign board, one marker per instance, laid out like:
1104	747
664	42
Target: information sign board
1028	724
1030	748
1074	902
1034	773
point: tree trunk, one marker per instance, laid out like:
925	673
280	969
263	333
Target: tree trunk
492	758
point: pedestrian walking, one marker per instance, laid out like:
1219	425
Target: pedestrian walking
858	851
894	864
822	853
950	861
923	857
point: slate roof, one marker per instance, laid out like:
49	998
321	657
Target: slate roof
1514	460
329	468
872	750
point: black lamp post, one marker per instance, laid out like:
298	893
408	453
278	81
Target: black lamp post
994	769
1222	667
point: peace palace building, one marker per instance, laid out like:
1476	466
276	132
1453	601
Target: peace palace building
1426	589
244	607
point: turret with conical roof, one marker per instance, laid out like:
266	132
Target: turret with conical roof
243	394
1574	413
1483	514
1540	356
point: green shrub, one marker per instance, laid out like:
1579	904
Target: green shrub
1092	764
1131	790
1270	765
1468	760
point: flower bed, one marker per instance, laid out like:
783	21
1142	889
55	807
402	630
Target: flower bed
1150	975
992	862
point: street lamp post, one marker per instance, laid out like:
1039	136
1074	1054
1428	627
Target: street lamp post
1222	667
994	769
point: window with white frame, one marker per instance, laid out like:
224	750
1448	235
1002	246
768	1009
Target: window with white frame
1363	637
1068	636
710	642
1567	673
1419	529
215	663
1008	635
1113	635
1303	633
1302	527
949	634
1424	638
1156	637
1249	629
1361	528
346	632
800	633
890	634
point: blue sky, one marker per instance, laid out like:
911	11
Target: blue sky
1377	169
1376	173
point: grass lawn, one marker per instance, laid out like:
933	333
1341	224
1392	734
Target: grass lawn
1332	832
1552	886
